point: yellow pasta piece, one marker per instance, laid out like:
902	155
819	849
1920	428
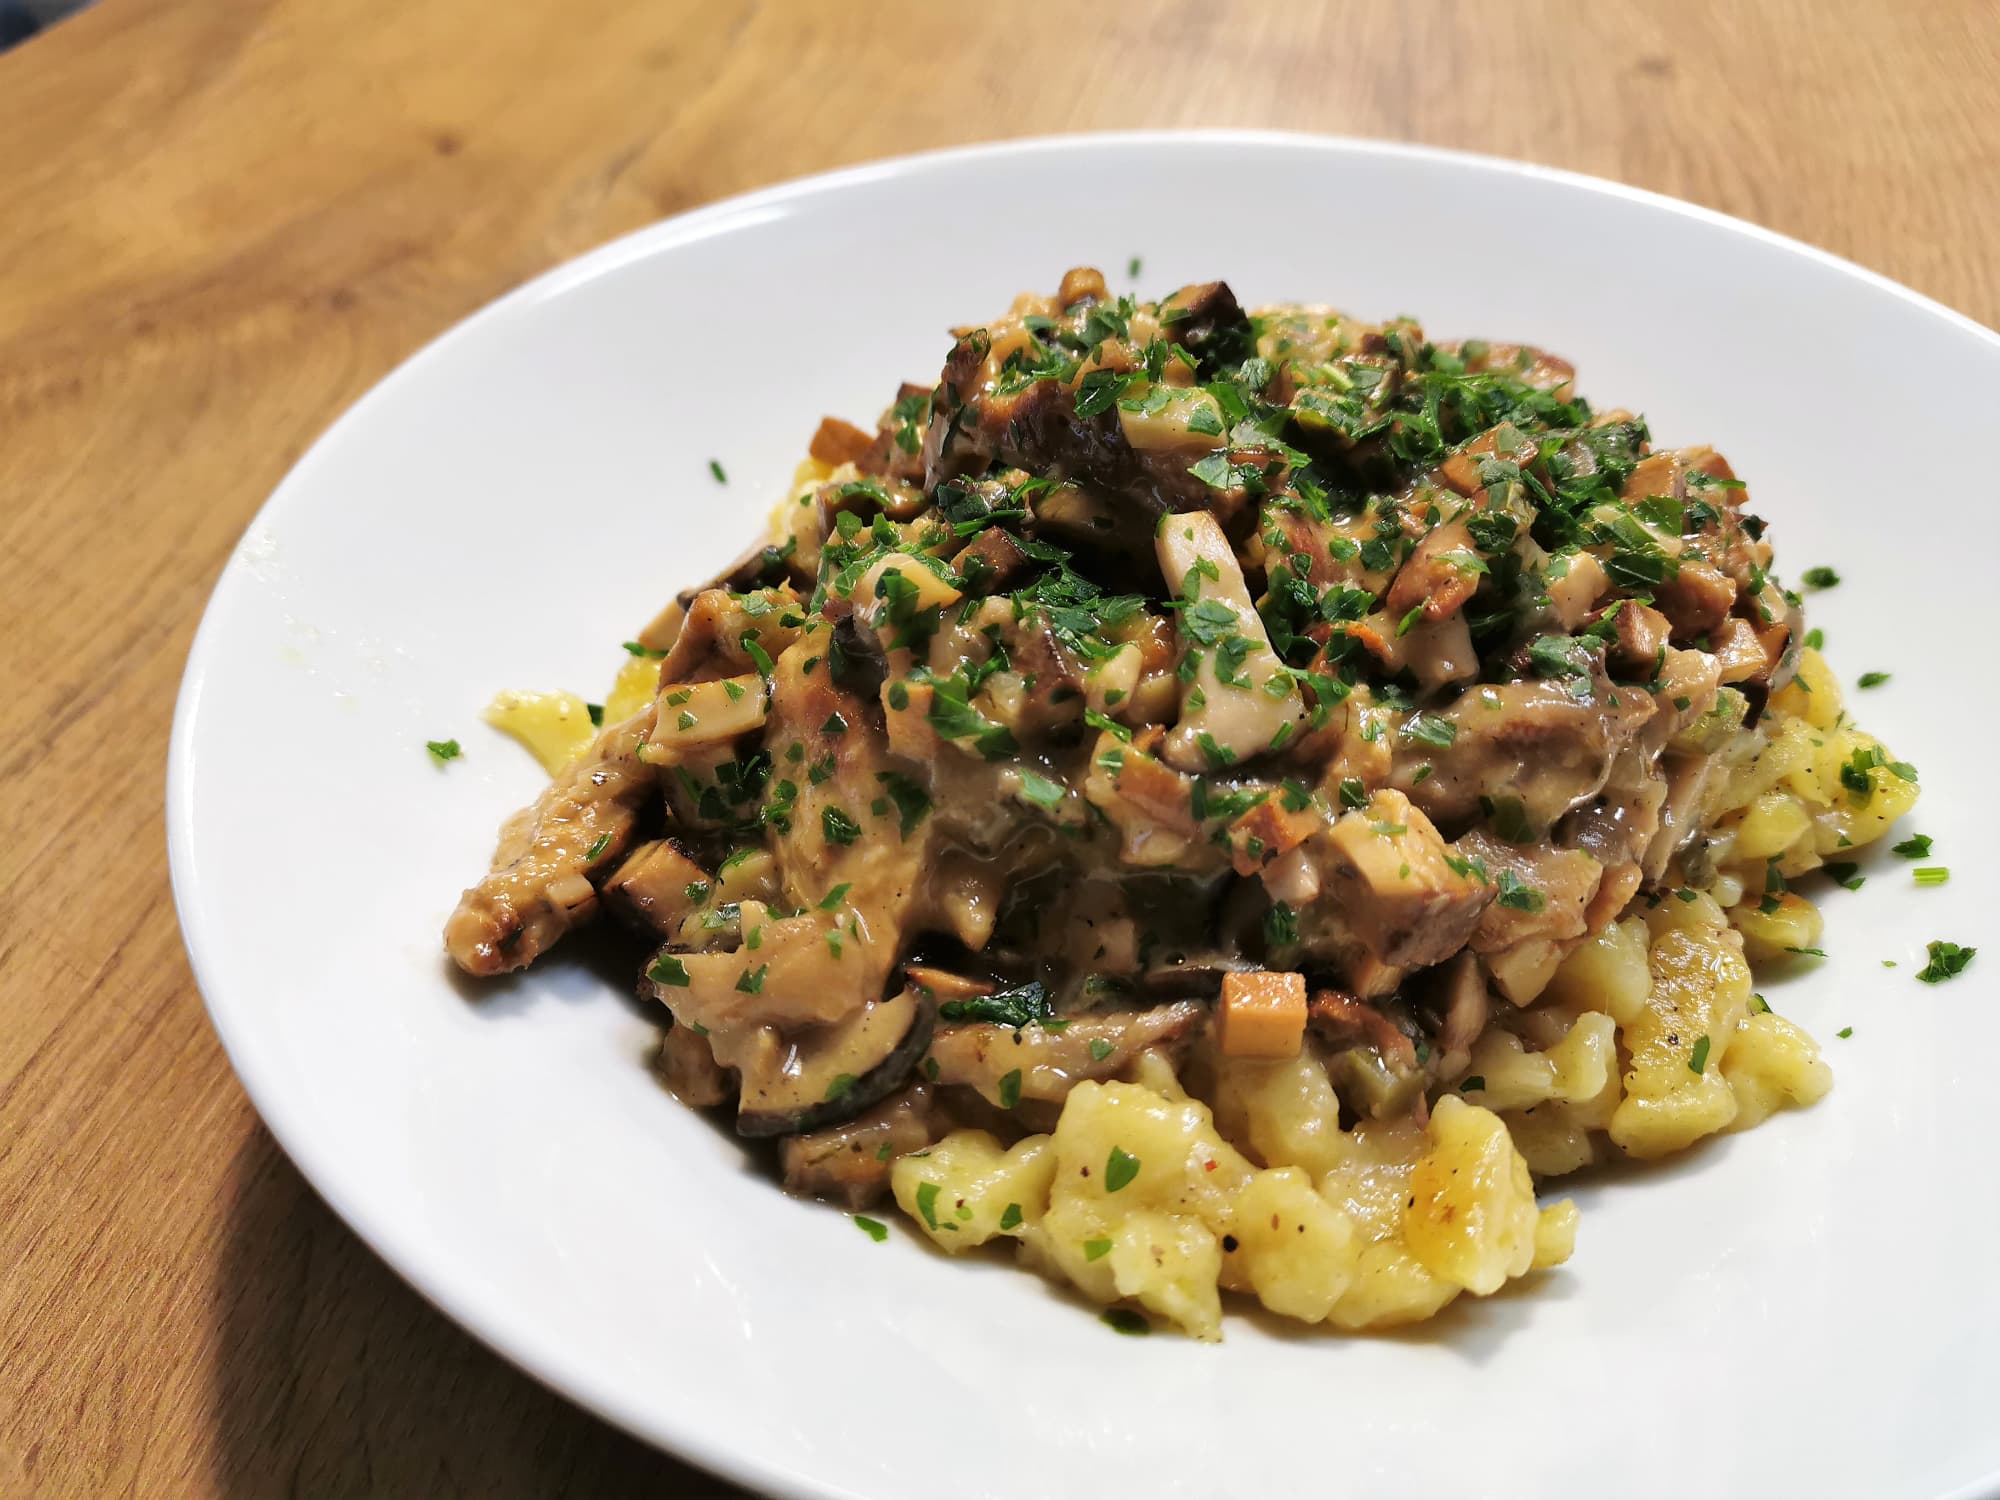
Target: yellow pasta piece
1607	973
1793	925
1471	1215
555	727
966	1189
1674	1089
1773	1063
637	683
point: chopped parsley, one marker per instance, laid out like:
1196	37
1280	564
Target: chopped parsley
838	827
633	648
1819	578
875	1229
927	1196
1516	894
1428	729
1845	1032
1119	1169
1124	1320
1010	1089
667	969
1947	959
832	899
603	841
1023	1005
1044	793
1916	846
443	750
1010	1216
1698	1059
1096	1249
715	469
1099	1049
1872	679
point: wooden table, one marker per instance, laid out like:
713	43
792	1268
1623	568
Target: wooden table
222	220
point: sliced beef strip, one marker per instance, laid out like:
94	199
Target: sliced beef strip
549	853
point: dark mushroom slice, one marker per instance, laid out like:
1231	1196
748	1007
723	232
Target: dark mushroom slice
821	1077
849	1164
855	661
684	1063
656	886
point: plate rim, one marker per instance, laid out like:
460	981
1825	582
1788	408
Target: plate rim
439	1284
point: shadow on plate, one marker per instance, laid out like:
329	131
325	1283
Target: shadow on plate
336	1379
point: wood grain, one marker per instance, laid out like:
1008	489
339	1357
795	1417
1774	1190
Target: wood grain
220	222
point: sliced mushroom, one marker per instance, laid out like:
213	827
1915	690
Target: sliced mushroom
829	1074
651	890
849	1164
1050	1063
684	1063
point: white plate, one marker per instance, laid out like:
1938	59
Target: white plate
1807	1309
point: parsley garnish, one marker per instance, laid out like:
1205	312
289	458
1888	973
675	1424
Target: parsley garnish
1516	894
1947	959
838	827
667	969
443	750
912	801
834	897
1022	1005
635	649
873	1228
1916	846
1872	679
927	1196
603	841
1044	793
1099	1049
1428	729
1010	1089
1698	1059
1096	1249
1475	1083
751	982
1124	1320
1119	1169
1819	578
1010	1217
715	468
1845	1032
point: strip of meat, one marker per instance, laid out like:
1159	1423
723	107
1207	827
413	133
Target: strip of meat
540	885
